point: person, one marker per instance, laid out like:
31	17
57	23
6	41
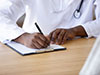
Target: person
59	20
92	64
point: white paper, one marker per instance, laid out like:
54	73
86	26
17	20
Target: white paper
25	50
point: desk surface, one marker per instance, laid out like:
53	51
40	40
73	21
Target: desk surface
68	62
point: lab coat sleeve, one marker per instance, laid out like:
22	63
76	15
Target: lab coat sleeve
93	27
10	11
92	64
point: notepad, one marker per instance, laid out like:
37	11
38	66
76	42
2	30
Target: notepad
23	50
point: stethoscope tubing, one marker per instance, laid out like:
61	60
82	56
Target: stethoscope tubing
77	12
81	5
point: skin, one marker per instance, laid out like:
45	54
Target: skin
61	36
35	40
58	36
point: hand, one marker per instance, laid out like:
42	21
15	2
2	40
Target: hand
35	40
60	36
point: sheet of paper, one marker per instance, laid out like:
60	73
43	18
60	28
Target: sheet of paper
23	50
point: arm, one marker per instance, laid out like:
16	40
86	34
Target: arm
60	36
90	29
93	27
92	63
10	11
9	30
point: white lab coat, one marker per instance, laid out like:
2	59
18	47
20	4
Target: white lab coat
49	14
92	64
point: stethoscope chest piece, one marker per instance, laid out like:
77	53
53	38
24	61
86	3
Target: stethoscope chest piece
77	14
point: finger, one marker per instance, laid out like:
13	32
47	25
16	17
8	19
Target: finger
65	38
50	35
55	35
42	37
71	36
60	37
36	44
42	43
41	40
48	39
30	45
33	46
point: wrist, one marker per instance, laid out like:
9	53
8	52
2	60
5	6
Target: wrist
20	38
79	31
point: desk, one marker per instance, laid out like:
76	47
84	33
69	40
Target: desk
68	62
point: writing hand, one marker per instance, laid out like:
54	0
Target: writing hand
35	40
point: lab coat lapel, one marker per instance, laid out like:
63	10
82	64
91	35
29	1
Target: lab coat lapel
61	5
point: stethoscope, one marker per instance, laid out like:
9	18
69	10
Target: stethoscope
77	13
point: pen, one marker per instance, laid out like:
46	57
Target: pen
38	28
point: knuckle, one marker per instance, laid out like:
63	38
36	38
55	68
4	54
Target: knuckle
36	36
57	30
